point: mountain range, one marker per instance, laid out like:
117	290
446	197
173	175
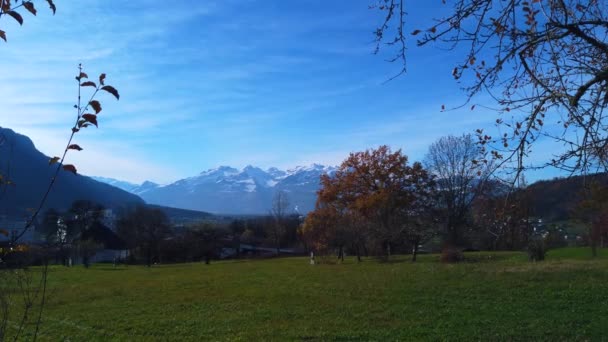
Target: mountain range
30	173
223	190
228	190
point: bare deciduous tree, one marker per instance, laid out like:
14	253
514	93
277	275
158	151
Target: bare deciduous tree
460	178
144	229
543	62
279	212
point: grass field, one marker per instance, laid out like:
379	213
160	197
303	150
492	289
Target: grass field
494	296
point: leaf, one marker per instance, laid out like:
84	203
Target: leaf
83	75
102	78
92	118
70	167
4	232
3	35
96	106
89	84
16	16
472	107
30	7
112	91
416	32
53	160
52	5
442	107
75	147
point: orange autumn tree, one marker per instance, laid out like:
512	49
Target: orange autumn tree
374	197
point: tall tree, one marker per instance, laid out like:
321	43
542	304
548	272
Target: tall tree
205	240
593	211
543	62
460	178
143	229
504	216
50	226
279	213
421	219
81	217
378	190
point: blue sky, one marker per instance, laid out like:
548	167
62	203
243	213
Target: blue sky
233	82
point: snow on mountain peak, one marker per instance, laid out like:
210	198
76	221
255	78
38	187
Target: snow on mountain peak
312	168
246	191
222	170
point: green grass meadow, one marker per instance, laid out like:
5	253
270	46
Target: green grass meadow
493	296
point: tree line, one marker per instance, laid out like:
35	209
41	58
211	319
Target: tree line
148	236
378	203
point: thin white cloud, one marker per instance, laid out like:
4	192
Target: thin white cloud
107	158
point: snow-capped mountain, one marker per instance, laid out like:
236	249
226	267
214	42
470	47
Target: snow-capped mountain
143	187
133	188
116	183
227	190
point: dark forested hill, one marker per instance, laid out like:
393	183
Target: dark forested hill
31	173
556	199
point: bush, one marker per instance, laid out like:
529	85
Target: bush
536	249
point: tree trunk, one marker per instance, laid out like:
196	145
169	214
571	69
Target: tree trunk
341	254
358	254
594	237
415	251
149	257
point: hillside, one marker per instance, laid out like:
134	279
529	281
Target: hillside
183	216
556	199
31	173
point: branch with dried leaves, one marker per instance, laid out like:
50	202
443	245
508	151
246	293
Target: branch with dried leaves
543	62
10	8
83	120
